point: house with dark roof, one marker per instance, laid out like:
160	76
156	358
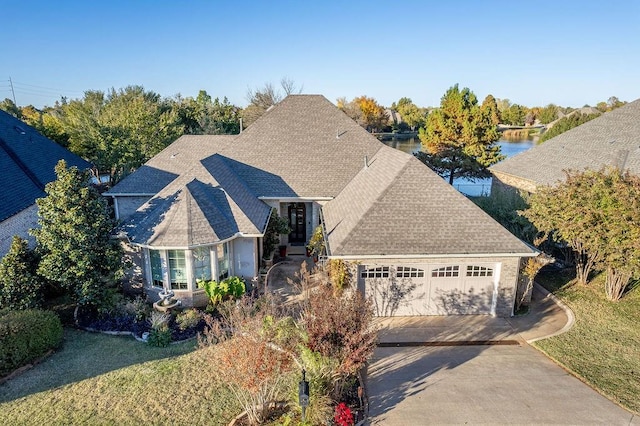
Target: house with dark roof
613	139
199	210
27	162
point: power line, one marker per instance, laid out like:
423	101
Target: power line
51	89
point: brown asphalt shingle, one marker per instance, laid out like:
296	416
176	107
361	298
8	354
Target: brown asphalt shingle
398	206
613	139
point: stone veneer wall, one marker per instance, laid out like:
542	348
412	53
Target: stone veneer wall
18	224
505	182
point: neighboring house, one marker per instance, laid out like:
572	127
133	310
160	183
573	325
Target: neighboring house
613	139
27	163
198	210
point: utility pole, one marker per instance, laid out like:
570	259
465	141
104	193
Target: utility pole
12	92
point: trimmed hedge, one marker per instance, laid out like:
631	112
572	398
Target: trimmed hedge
26	336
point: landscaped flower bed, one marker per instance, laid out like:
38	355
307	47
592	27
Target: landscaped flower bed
133	317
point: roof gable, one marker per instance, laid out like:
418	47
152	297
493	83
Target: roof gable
613	139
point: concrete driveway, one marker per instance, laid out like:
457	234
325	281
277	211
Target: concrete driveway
512	384
480	370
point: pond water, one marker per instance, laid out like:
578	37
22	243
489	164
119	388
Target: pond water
509	148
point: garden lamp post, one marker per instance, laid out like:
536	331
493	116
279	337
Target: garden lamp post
303	394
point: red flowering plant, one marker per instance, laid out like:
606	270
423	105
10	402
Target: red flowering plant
343	416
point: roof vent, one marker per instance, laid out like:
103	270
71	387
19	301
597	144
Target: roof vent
19	130
174	155
366	162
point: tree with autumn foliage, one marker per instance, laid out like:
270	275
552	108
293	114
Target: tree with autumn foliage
366	112
597	214
460	137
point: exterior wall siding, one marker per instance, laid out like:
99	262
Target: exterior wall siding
509	271
18	224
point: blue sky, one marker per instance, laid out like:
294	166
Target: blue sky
567	52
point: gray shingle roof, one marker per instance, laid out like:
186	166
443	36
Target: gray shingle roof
27	162
167	165
203	205
398	206
306	147
286	152
611	139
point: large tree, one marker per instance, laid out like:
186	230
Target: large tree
460	137
206	116
120	130
74	238
410	113
260	100
366	111
597	214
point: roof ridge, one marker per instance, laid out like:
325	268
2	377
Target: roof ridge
382	193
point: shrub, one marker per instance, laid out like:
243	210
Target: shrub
20	286
340	326
159	337
138	307
27	335
219	291
160	334
188	319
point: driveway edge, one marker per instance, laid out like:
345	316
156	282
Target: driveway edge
571	319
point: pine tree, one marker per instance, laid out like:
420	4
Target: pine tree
459	139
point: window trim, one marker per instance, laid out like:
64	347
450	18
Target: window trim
447	271
376	272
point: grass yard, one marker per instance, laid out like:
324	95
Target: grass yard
100	379
603	347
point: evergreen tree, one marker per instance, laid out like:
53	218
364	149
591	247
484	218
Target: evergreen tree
20	287
74	239
459	139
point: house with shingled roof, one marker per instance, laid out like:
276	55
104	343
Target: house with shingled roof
199	210
613	139
27	161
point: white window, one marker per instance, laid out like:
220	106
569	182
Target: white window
202	264
446	271
479	271
223	261
379	272
407	272
177	269
157	277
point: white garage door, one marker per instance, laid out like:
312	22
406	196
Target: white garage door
409	290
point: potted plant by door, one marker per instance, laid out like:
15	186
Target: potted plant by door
277	226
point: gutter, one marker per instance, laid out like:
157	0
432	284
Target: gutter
430	256
235	236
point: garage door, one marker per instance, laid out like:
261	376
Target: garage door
410	290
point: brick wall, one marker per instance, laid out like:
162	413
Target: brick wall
18	224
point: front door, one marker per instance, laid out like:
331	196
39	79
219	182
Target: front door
297	223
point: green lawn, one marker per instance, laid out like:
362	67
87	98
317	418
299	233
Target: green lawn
603	347
100	379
